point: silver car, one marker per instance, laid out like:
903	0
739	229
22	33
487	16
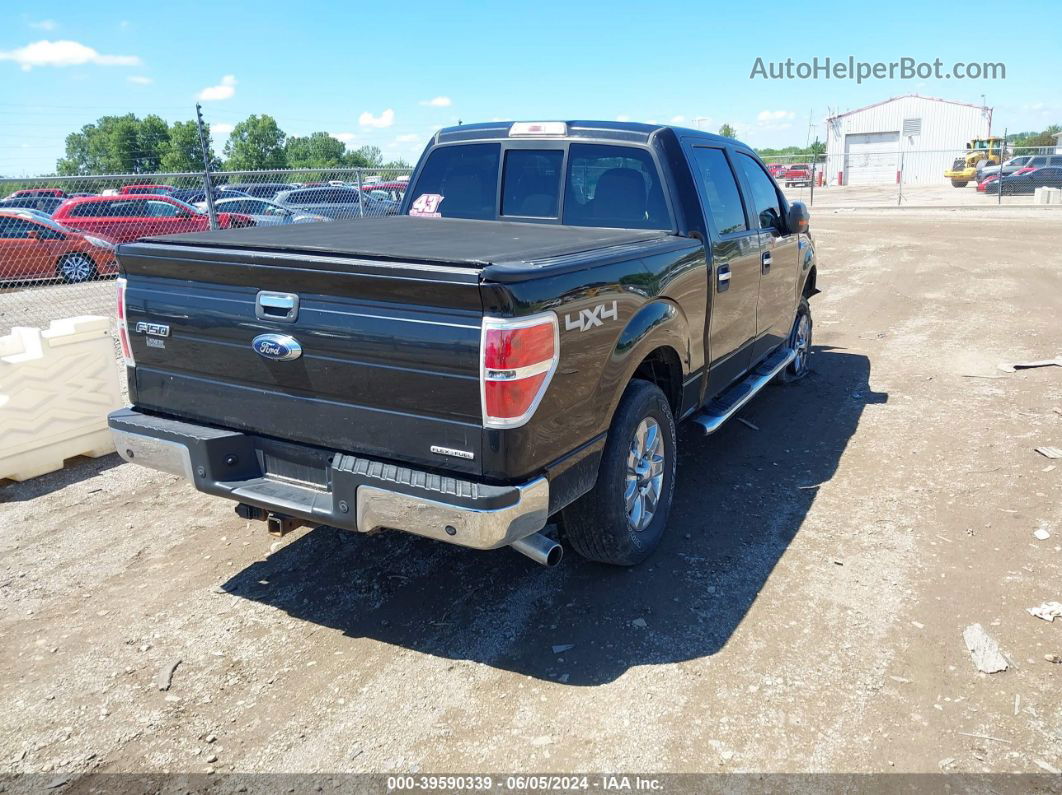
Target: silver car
335	202
264	213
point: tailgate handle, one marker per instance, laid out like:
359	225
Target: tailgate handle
277	306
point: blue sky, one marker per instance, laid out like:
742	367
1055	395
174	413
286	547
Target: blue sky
389	74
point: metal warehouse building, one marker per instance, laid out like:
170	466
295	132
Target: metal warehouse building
921	135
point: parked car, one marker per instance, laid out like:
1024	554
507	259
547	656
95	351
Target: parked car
796	174
264	213
387	191
452	375
28	212
153	190
27	193
982	186
262	190
196	195
46	204
335	202
1027	182
33	248
776	169
1009	167
1016	164
125	218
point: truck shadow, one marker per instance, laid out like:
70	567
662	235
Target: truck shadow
738	505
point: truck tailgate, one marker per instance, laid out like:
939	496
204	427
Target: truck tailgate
390	362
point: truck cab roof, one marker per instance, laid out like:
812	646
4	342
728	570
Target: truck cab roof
625	131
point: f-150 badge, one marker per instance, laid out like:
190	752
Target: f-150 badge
588	318
278	347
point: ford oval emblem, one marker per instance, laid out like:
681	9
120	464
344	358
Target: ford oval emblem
278	347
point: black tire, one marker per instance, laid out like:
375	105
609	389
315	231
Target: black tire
76	268
959	183
598	525
799	340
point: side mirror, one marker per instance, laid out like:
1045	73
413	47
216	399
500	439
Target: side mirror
33	234
798	218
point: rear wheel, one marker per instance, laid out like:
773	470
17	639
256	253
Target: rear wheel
800	343
622	520
75	268
959	183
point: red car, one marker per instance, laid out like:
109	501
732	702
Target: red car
982	186
34	248
387	191
776	169
796	174
37	192
155	190
125	218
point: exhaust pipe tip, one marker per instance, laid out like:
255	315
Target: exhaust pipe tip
541	549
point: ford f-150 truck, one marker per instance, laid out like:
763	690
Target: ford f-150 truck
517	344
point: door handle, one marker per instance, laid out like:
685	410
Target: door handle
765	262
276	306
722	277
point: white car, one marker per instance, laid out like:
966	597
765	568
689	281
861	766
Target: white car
264	212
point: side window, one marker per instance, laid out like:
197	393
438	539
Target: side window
720	188
1038	161
767	208
14	228
531	182
157	209
466	176
88	210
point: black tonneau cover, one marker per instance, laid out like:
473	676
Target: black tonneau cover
446	241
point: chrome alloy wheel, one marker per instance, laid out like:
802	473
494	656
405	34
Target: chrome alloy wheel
645	474
76	268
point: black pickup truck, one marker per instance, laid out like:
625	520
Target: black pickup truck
518	343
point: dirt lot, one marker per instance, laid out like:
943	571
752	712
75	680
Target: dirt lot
805	612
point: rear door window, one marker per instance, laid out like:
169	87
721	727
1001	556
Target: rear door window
465	176
613	186
720	191
531	182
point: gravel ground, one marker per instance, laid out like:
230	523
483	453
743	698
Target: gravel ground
805	612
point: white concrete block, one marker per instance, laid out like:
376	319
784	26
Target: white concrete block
56	389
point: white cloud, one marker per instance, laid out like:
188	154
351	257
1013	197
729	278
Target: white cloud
140	80
345	137
221	128
774	115
623	117
63	53
44	24
223	90
385	119
678	119
408	138
437	102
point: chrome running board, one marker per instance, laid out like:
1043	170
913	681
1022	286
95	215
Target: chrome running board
735	397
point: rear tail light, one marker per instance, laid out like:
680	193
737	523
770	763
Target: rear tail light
123	327
517	361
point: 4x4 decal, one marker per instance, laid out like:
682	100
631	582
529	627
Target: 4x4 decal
588	318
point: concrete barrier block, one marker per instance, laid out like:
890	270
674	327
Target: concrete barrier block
56	389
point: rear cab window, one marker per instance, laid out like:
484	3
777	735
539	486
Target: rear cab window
579	184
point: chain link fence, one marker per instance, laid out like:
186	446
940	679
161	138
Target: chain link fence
58	234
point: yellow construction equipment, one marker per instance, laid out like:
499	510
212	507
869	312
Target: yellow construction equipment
980	152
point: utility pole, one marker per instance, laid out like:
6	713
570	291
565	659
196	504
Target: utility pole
1002	149
208	188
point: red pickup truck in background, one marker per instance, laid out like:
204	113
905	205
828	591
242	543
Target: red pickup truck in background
125	218
796	174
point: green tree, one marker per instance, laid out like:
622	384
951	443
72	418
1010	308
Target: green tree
727	131
109	145
317	150
257	142
152	142
184	152
365	157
